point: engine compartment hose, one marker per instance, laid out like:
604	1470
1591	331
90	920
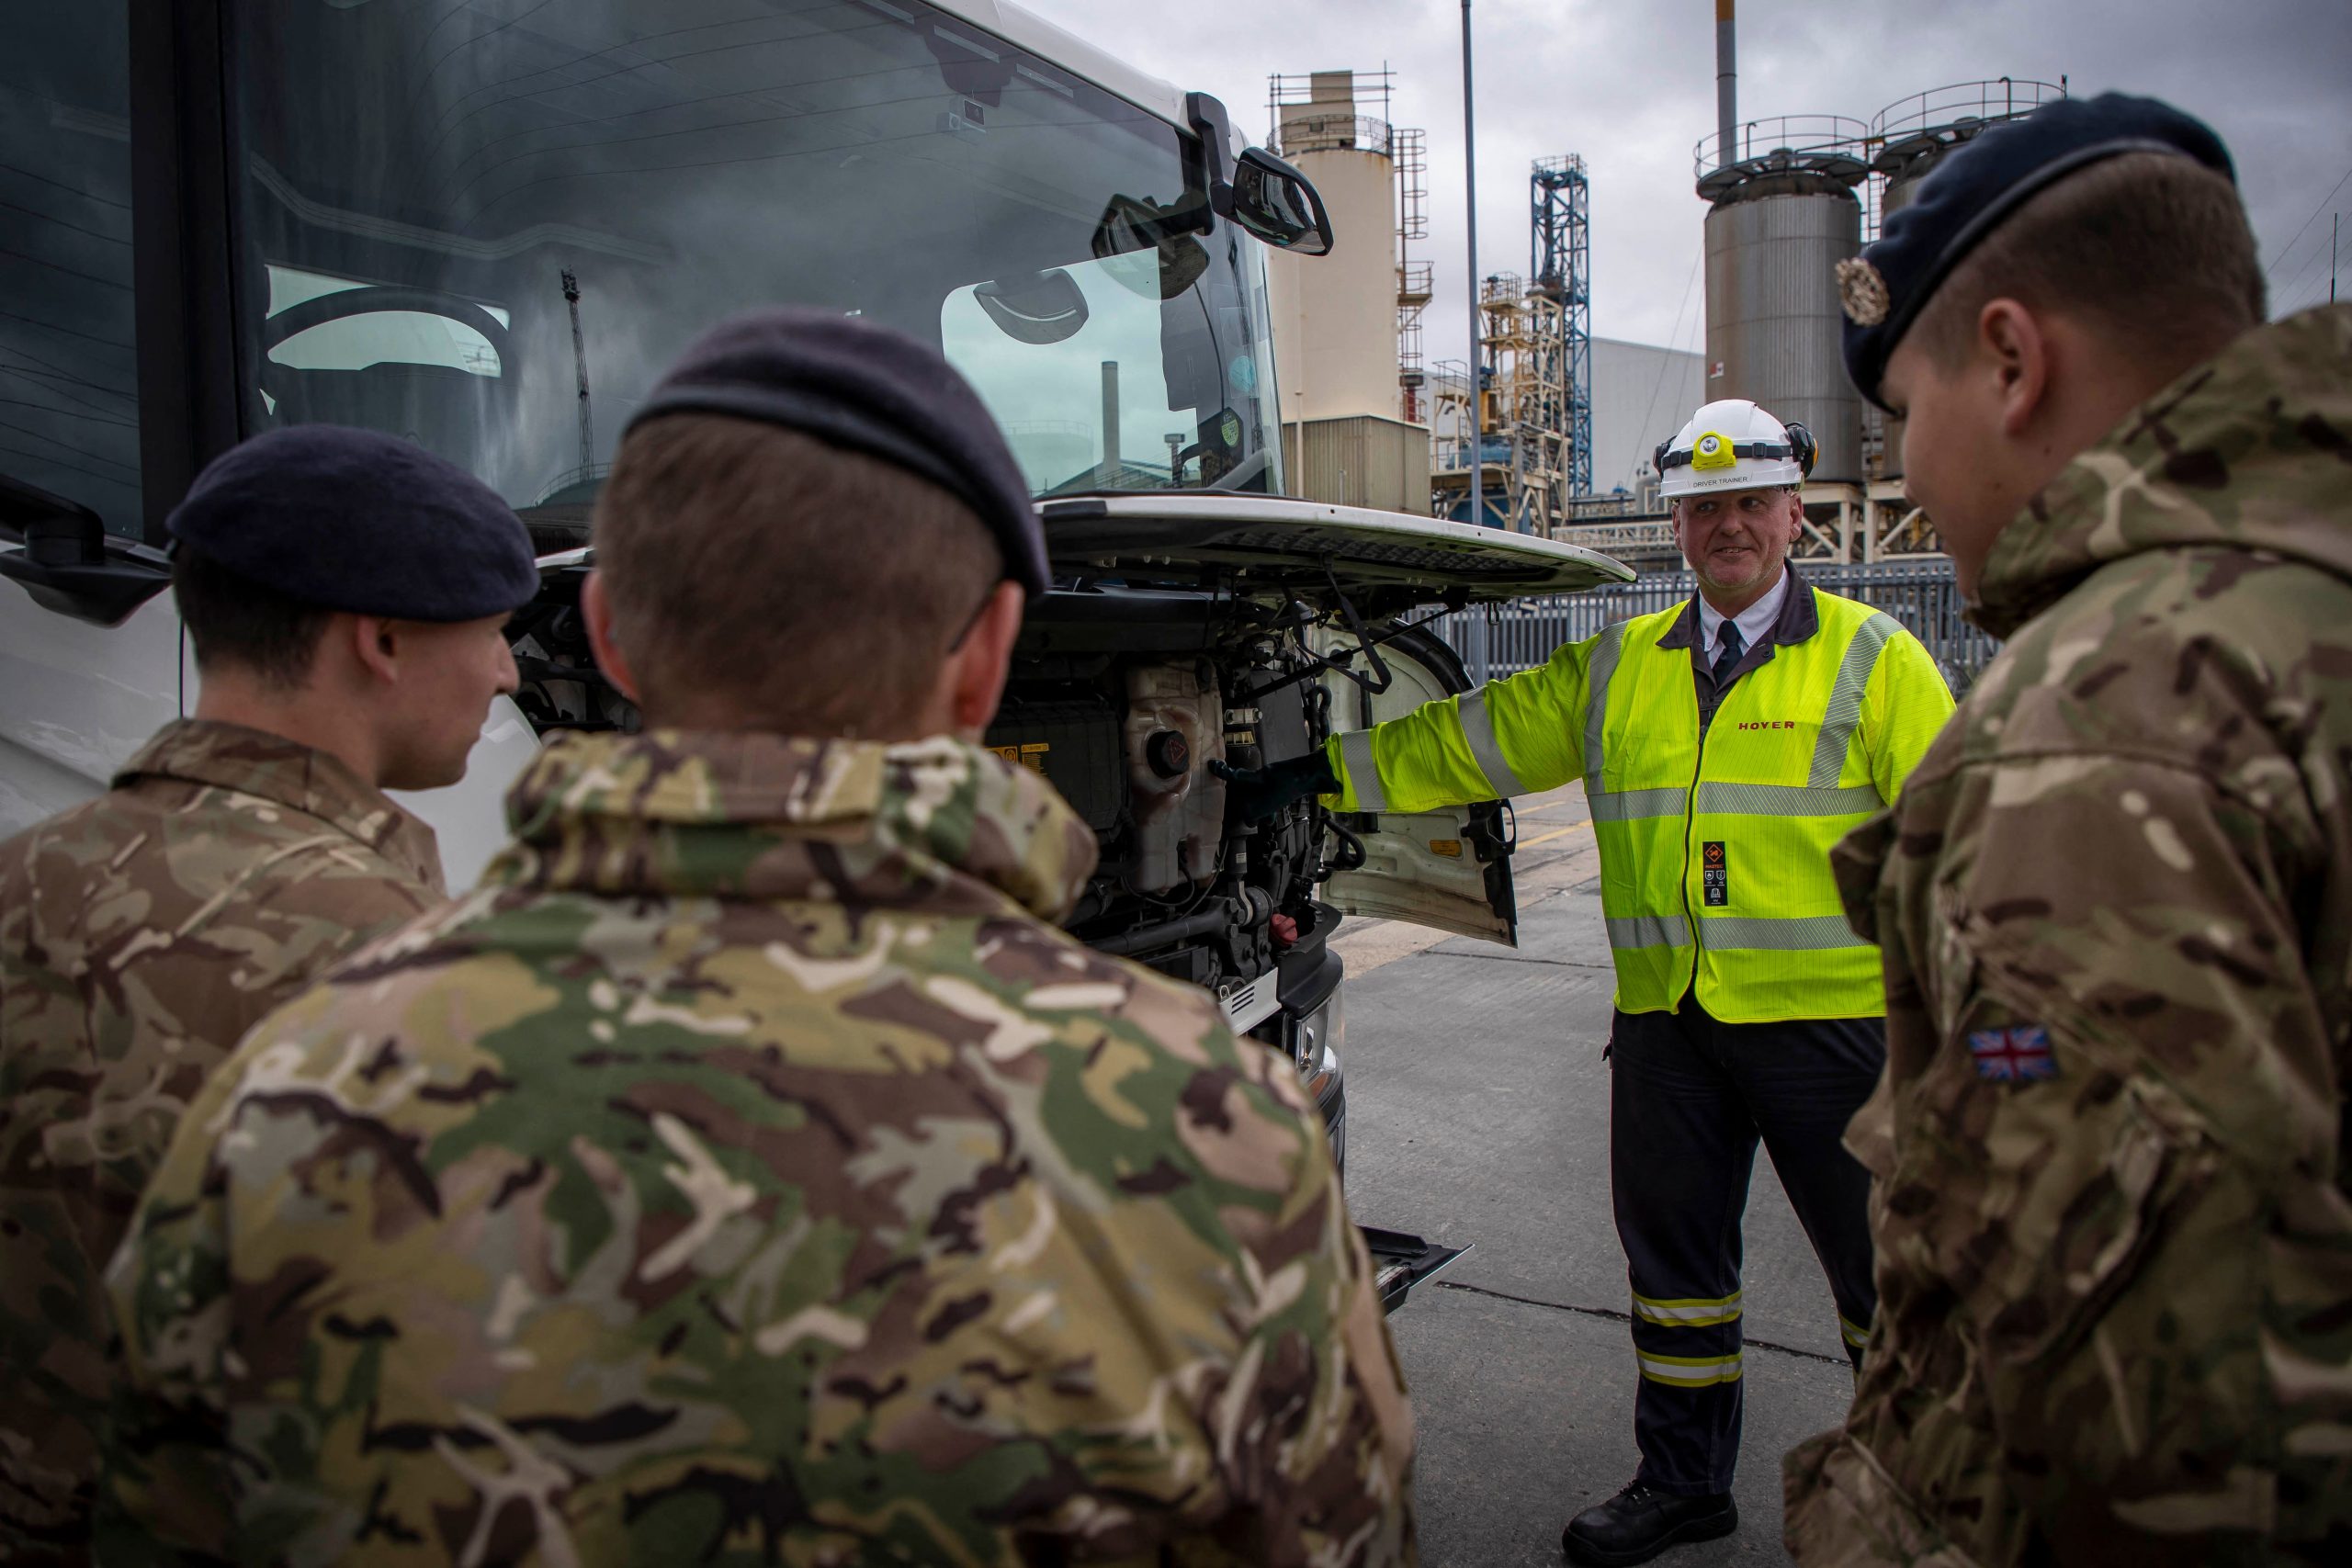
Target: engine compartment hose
1143	938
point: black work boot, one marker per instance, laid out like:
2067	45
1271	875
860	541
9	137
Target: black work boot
1642	1521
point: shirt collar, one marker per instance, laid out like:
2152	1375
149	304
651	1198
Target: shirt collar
289	773
1795	617
1755	623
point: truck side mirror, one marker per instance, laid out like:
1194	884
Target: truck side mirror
1272	201
1280	206
68	564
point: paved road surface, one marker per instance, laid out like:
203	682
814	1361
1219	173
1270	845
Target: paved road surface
1478	1112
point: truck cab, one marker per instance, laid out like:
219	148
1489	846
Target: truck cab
488	228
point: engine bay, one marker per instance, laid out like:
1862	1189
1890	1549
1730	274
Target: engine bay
1123	697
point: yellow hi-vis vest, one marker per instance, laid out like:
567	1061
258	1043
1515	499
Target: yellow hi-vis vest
1714	855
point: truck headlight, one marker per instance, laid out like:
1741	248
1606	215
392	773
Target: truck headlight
1319	1039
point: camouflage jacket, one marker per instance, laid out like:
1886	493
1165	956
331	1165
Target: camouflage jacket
747	1172
141	935
2113	1195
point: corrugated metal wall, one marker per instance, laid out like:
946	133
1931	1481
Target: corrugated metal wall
1361	461
1773	317
1641	395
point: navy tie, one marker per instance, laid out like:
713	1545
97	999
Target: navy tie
1728	660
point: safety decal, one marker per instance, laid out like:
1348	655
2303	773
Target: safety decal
2013	1056
1714	873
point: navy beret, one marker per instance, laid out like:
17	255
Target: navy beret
1968	195
356	520
856	385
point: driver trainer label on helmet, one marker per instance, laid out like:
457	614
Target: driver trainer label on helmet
1714	873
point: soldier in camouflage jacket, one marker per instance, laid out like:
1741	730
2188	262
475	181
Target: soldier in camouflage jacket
235	857
140	936
748	1172
2111	1151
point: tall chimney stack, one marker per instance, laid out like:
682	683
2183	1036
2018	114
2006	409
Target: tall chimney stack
1106	472
1726	86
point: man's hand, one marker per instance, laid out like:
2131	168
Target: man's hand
1255	793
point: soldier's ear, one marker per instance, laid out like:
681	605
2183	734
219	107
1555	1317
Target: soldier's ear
2015	351
977	666
596	609
375	642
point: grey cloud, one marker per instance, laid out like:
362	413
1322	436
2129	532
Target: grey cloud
1630	85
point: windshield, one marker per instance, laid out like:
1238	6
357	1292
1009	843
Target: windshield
488	228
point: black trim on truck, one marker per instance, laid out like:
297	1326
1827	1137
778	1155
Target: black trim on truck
182	254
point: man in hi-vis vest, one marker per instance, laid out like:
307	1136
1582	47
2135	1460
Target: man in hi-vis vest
1724	745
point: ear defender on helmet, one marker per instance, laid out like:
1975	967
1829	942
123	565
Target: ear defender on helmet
1805	448
1657	458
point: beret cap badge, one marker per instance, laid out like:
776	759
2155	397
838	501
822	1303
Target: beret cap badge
1862	291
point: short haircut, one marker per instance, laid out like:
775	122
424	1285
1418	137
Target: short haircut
233	621
809	589
2154	249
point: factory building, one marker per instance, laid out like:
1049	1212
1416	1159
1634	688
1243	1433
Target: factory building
1557	434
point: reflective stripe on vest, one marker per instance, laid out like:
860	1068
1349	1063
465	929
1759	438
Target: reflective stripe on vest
1478	730
1355	751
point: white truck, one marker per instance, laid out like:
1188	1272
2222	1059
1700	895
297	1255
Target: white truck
487	228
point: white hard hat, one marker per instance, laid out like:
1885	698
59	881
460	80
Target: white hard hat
1734	445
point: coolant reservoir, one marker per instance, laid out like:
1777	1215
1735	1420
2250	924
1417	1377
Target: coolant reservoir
1175	728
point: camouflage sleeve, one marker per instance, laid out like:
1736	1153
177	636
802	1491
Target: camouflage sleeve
2110	1144
1317	1462
167	1475
1520	735
1905	707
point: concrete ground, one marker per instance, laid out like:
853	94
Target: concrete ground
1478	1113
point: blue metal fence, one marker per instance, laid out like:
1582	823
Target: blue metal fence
1503	639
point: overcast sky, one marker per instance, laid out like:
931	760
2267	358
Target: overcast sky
1630	85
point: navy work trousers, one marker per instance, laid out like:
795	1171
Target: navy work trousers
1688	1098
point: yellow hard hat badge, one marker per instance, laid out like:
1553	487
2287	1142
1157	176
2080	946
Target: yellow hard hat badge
1713	451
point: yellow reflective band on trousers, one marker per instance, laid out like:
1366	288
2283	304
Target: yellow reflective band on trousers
1714	860
1691	1312
1689	1371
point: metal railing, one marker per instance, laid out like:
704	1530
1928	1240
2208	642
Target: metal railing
569	477
1803	137
1331	133
2003	97
1495	640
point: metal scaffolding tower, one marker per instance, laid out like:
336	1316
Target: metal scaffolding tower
1518	437
1411	151
1560	224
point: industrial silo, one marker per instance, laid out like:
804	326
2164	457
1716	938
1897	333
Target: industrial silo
1911	136
1335	317
1783	214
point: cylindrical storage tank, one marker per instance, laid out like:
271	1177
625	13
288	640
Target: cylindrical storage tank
1773	317
1335	316
1911	136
